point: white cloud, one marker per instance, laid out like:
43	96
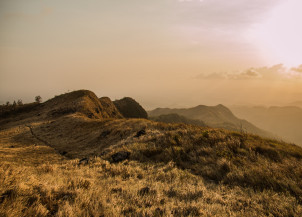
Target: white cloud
297	69
276	72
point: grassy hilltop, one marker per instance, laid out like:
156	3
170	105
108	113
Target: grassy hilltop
76	155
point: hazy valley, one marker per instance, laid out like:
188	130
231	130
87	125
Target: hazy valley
284	121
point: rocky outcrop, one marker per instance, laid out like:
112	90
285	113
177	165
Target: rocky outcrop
120	156
84	102
129	108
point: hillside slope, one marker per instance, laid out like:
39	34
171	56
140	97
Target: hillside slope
74	164
284	121
175	118
214	116
82	102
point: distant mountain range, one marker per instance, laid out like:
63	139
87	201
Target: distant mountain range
297	103
285	121
214	116
175	118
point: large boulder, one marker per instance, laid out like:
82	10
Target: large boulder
120	156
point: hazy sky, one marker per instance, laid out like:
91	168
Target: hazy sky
161	52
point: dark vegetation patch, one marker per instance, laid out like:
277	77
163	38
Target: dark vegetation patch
269	153
186	211
62	111
146	191
104	134
188	196
11	110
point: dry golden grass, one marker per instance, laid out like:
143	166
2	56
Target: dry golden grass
172	170
129	189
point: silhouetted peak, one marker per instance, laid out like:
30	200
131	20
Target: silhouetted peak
129	108
84	102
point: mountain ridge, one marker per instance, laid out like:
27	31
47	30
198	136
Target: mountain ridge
215	116
175	118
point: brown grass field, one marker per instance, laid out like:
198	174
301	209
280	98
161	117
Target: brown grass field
172	169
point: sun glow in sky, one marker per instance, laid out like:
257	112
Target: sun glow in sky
160	52
279	37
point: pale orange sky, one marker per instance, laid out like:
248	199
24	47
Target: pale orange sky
160	52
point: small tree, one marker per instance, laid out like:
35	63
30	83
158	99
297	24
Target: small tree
14	104
38	99
7	103
19	102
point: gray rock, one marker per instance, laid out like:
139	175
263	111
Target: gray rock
140	133
120	156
